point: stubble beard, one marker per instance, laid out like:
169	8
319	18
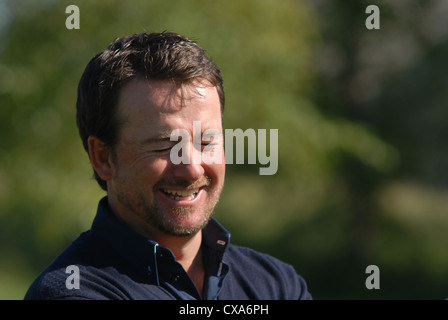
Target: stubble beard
168	222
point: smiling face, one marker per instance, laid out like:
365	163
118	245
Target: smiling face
145	189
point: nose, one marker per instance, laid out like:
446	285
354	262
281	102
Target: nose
188	172
191	171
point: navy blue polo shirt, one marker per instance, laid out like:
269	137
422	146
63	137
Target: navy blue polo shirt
111	261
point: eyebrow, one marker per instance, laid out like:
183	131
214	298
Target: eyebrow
163	135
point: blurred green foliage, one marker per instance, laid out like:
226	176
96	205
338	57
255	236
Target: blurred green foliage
361	115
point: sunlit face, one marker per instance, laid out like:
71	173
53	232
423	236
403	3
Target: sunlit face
148	190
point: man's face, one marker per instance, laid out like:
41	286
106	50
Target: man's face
150	191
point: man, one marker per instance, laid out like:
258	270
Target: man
153	236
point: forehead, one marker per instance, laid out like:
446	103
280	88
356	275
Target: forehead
164	95
143	102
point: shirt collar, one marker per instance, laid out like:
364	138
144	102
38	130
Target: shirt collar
140	251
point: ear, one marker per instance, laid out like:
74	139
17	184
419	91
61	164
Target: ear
100	158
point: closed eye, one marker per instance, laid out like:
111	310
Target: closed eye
162	150
209	145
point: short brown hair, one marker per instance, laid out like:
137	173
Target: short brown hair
158	56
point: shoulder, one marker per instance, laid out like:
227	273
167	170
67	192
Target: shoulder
58	280
52	285
77	282
74	274
262	273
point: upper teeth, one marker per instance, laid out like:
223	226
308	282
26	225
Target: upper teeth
189	195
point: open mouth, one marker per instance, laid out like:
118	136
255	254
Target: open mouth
181	194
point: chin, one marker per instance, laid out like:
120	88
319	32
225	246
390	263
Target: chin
183	223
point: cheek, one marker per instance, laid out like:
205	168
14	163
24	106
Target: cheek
153	170
142	172
217	171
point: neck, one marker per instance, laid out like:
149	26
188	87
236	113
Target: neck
187	250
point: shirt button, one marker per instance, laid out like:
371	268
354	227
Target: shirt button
149	270
176	278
